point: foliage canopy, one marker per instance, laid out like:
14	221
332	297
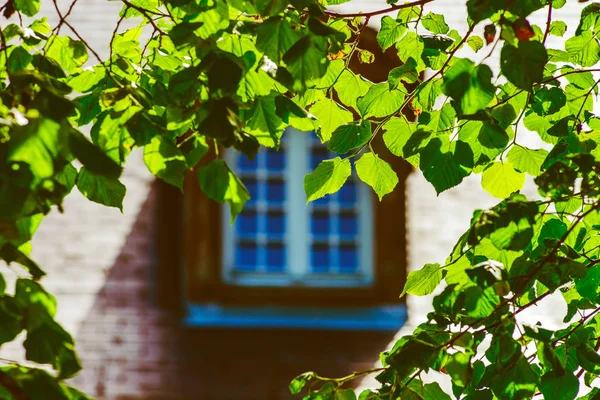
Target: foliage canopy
196	75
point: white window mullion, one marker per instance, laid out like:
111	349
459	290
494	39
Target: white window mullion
297	228
365	237
229	237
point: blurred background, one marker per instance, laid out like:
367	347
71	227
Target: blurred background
167	300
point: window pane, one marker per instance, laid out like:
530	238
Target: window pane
244	164
323	201
347	194
348	259
275	258
319	259
325	237
348	225
275	224
247	223
275	160
320	224
275	191
246	257
318	155
252	186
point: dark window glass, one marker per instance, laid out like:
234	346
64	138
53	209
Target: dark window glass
246	257
319	258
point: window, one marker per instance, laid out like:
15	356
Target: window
346	250
338	262
279	241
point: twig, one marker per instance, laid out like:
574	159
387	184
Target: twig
64	17
579	324
548	22
378	12
145	12
64	21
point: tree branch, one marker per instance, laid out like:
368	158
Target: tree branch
378	12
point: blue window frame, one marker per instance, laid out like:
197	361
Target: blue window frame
279	240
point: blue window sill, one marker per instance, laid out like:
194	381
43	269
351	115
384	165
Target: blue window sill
383	318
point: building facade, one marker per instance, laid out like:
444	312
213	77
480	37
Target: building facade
121	292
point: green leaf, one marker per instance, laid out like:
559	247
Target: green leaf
27	7
18	60
411	46
263	122
93	158
214	180
425	391
527	160
558	28
38	144
376	173
365	56
214	19
589	285
583	80
165	160
37	384
87	79
127	44
391	31
219	183
469	85
193	149
548	101
589	18
70	54
475	43
270	7
435	23
578	100
517	382
397	133
500	179
10	254
445	164
524	65
350	136
561	385
49	343
254	84
483	9
111	136
306	60
298	383
493	140
407	72
327	178
380	101
583	49
349	87
275	37
330	115
101	189
424	281
426	94
459	368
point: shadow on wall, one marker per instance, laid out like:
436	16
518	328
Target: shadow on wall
133	348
